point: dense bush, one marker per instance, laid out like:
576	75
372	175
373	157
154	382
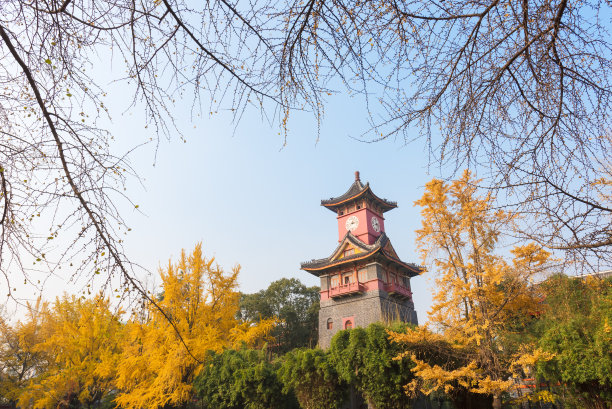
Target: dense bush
242	379
364	358
576	328
313	378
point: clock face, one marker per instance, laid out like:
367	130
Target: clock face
352	223
375	224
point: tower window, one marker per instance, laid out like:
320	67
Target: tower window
347	278
330	323
348	324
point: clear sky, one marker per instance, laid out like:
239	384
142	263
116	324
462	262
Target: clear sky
250	198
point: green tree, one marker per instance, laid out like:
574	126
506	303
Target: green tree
296	305
577	328
313	378
241	379
365	359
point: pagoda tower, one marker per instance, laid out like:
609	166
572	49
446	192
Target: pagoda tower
363	280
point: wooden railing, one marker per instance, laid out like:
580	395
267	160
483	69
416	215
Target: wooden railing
346	289
396	289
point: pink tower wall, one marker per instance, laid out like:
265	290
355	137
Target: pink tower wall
364	231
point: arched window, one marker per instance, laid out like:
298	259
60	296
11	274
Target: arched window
348	324
330	323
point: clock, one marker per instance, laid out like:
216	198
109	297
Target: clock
375	224
352	223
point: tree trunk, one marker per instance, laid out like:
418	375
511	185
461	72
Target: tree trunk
497	401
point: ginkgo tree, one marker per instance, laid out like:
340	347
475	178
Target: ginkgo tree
480	296
73	347
19	361
164	351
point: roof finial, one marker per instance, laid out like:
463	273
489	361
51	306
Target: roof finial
356	176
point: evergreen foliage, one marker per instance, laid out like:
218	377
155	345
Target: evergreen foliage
364	358
294	304
576	328
313	378
241	379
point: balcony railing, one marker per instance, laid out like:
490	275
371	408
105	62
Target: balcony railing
346	289
399	290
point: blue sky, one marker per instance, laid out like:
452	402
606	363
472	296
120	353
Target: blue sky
253	200
251	196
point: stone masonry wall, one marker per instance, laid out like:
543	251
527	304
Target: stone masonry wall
367	308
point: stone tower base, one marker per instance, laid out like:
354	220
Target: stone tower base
363	310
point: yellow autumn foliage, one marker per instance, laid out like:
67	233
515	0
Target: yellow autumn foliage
18	358
199	301
479	295
77	349
527	357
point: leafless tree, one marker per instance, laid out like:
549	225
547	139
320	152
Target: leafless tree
518	89
60	181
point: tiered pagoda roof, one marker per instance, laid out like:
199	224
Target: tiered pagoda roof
356	191
381	250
